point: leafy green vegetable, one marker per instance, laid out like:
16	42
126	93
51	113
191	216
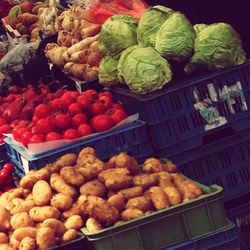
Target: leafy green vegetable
175	38
199	27
217	47
117	34
150	22
14	12
108	72
143	69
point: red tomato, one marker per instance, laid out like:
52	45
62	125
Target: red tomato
37	138
25	137
50	96
42	86
91	94
44	126
97	108
2	122
59	93
84	102
75	94
79	119
85	129
15	89
42	111
66	101
53	136
14	123
106	101
9	98
30	86
23	123
105	93
74	108
62	121
17	132
101	123
117	115
5	128
117	106
71	134
56	104
1	100
8	167
35	119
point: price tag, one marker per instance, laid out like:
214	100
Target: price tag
25	164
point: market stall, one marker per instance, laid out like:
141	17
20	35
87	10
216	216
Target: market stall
123	125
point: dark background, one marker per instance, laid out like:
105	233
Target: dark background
236	12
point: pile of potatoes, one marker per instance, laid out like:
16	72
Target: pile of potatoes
54	203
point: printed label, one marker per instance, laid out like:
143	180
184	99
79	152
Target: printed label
227	96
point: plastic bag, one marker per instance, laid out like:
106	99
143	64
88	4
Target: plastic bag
18	55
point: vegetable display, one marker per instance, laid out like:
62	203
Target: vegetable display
60	115
218	46
175	38
150	23
54	203
76	50
143	69
117	34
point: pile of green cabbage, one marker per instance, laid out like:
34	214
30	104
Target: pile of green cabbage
138	53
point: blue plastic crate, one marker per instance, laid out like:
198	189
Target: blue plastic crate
226	163
189	110
226	239
131	138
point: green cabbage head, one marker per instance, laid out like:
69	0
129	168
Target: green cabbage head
108	72
143	69
150	22
217	47
199	27
175	38
117	34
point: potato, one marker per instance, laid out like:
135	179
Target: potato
159	198
7	247
3	238
59	185
152	165
149	212
29	180
93	225
170	167
113	171
145	180
195	189
42	193
45	238
56	225
119	222
74	222
27	243
117	201
61	201
131	214
24	206
111	193
174	196
132	192
125	161
83	159
21	220
94	187
17	201
116	182
4	219
165	180
87	150
40	214
70	235
72	176
67	160
20	233
140	203
7	197
101	210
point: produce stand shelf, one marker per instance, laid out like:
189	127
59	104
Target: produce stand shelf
191	110
131	138
168	227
